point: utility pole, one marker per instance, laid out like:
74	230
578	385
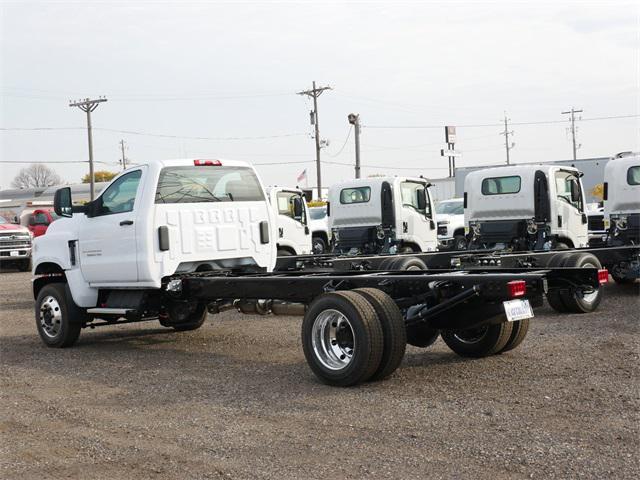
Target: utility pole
573	130
506	134
315	93
88	105
355	121
123	161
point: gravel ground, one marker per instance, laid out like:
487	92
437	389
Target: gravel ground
235	399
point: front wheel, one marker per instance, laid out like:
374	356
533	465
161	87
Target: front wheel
319	245
459	242
478	342
58	319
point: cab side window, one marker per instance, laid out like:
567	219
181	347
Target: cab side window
286	205
120	196
565	182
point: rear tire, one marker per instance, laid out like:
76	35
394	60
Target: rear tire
58	319
554	298
479	342
342	338
394	333
422	336
406	264
575	300
518	333
194	321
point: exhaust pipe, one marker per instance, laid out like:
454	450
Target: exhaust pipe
265	307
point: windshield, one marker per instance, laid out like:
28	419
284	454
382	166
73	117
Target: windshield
318	213
208	184
450	208
3	220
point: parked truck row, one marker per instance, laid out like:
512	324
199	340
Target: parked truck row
171	241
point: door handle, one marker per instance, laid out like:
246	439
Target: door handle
126	222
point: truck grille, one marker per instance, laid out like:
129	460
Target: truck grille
14	240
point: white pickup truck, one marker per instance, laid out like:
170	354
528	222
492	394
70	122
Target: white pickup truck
525	207
174	240
382	214
292	217
450	217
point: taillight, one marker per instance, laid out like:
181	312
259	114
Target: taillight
517	288
207	163
603	276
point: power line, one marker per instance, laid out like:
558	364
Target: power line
344	144
480	125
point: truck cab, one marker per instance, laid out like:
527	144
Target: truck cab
153	221
292	218
382	214
525	207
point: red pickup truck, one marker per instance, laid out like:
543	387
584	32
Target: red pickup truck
39	221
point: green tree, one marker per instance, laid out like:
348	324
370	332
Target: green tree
99	176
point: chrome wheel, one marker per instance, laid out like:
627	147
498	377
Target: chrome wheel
50	316
471	336
588	297
332	339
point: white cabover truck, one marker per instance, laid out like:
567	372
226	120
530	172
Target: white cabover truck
382	214
525	207
622	211
174	240
292	218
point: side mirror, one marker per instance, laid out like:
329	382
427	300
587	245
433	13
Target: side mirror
62	202
575	191
585	220
422	199
298	208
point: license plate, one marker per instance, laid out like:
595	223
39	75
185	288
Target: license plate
14	253
517	310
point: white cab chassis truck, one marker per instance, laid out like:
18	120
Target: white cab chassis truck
525	207
292	217
622	211
382	214
172	241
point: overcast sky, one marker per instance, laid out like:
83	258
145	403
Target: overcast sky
232	69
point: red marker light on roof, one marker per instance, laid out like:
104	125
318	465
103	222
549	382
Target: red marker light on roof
207	163
603	276
517	288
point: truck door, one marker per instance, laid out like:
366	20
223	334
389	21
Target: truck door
570	219
107	239
293	230
417	225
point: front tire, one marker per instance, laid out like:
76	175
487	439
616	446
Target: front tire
478	342
58	319
342	338
459	242
319	245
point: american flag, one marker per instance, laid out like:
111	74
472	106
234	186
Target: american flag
303	175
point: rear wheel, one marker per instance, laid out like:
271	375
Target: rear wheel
58	319
421	336
394	332
407	263
518	332
554	298
577	300
478	342
342	338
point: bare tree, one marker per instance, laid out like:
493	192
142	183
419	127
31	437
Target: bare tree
36	175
